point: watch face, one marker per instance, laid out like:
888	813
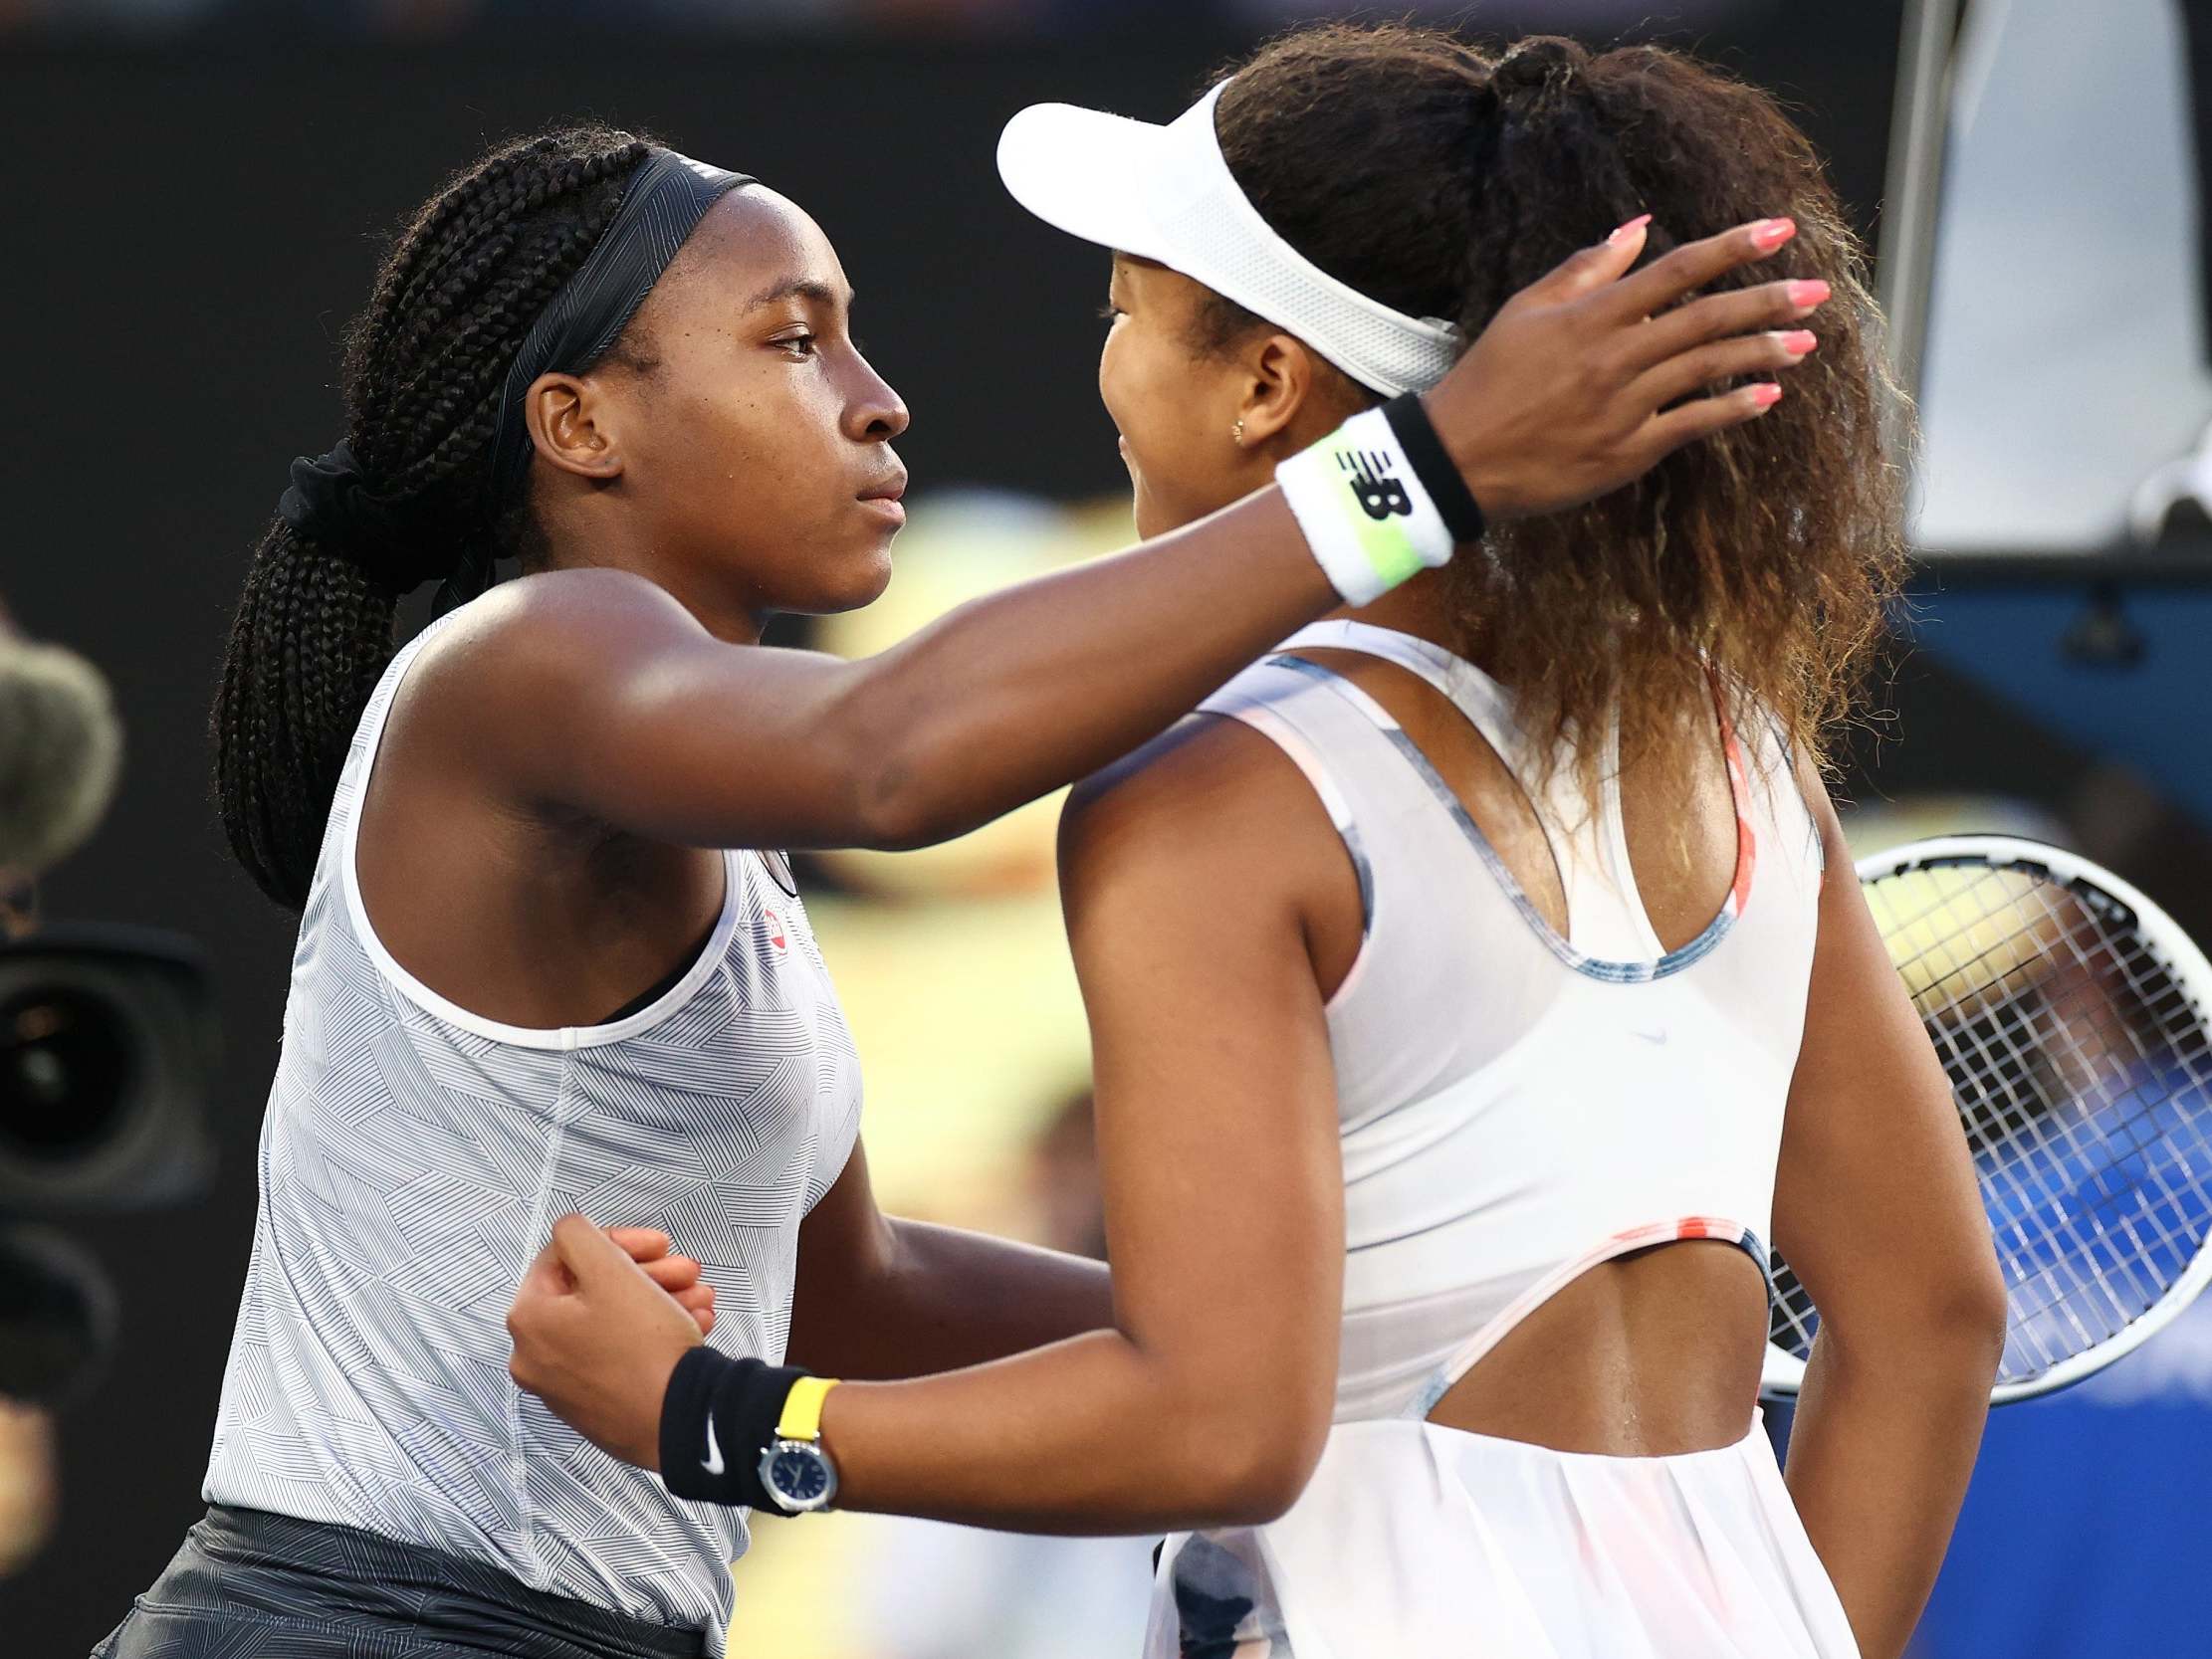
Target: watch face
799	1475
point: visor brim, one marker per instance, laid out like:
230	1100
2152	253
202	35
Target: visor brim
1085	172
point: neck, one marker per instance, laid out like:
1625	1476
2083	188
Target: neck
730	615
1420	607
729	621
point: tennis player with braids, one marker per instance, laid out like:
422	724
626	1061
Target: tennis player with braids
1475	985
537	970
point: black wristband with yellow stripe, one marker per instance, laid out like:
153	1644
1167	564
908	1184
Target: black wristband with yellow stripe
716	1420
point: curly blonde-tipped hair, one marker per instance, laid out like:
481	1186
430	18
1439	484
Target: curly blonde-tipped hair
1440	180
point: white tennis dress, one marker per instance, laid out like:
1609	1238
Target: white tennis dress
1517	1106
414	1158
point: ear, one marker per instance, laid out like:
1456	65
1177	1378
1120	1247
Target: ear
1292	396
570	424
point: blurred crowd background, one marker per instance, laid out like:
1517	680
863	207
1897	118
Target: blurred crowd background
198	195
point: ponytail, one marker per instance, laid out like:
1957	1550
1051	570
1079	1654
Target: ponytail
427	365
311	635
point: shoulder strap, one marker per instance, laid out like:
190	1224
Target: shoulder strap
1487	706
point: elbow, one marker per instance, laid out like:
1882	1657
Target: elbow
924	769
1950	1326
1980	1322
1970	1314
899	799
1267	1488
875	747
913	787
893	816
1982	1318
1256	1463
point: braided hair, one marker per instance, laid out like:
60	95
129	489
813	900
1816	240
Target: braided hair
1440	180
425	366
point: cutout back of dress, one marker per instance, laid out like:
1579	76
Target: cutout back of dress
1517	1104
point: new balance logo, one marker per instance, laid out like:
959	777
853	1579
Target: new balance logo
1380	496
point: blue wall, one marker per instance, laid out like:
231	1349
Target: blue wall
2157	717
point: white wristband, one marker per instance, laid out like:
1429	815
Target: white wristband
1363	510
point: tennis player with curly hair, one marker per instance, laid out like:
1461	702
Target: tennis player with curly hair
1476	984
548	957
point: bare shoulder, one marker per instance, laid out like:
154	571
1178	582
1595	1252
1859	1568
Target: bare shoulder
501	692
540	645
557	621
1211	808
1207	768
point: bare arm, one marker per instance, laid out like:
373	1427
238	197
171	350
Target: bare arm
1218	1152
1208	1399
881	1298
593	692
1877	1209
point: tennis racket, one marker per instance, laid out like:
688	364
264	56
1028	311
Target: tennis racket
2074	1019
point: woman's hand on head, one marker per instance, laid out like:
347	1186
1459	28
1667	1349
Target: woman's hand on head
596	1335
1579	384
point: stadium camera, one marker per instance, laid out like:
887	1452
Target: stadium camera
108	1048
107	1036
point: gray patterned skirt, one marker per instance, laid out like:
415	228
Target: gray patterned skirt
252	1586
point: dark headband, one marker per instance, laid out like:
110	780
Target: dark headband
666	197
665	201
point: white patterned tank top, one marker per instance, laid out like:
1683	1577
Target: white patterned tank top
413	1158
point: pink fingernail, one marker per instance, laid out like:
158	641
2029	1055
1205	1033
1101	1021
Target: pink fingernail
1772	233
1798	341
1628	230
1805	295
1766	394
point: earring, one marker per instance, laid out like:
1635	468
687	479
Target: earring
1239	432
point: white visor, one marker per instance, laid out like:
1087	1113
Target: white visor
1165	193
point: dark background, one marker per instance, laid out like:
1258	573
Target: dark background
187	232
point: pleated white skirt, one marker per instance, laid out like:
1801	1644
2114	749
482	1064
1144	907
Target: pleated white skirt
1416	1540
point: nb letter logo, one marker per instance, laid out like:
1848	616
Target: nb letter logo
1380	496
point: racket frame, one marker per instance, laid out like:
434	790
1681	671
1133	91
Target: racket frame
1783	1372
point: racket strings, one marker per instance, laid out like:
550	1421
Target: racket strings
2138	1196
2082	1075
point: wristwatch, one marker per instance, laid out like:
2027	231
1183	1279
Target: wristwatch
796	1467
